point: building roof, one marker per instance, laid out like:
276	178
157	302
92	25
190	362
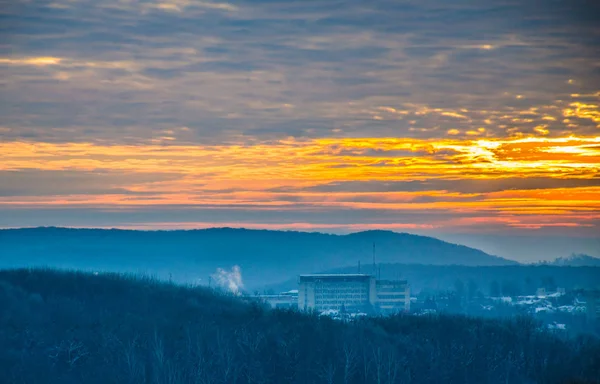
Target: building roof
392	282
336	276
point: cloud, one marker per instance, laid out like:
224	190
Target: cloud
512	183
181	5
38	61
471	186
434	111
34	182
251	67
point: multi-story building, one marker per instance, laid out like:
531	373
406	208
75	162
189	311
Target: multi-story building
392	296
352	293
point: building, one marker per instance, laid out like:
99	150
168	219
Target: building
392	296
540	292
352	293
282	300
592	304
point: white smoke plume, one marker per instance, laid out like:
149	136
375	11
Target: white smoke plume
231	280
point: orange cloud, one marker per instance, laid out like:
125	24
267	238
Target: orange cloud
279	175
36	61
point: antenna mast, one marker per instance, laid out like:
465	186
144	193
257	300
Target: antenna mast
374	267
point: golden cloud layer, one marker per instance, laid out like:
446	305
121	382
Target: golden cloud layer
292	161
283	175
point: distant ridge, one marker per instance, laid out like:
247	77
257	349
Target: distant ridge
192	255
577	260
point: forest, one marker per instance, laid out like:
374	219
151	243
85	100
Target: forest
76	327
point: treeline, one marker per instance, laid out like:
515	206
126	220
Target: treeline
509	280
68	327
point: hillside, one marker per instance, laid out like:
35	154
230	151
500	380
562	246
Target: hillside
191	256
577	260
516	279
66	327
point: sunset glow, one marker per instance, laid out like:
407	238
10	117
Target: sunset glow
490	180
242	115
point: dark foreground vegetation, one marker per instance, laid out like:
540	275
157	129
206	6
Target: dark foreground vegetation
66	327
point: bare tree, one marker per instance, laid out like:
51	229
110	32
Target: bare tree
327	372
377	358
250	343
133	365
69	352
158	358
349	354
227	362
393	366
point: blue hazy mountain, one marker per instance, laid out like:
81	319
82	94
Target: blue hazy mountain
192	255
577	260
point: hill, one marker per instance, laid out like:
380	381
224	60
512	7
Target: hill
188	256
67	327
577	260
514	279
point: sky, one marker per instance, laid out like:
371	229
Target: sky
471	120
